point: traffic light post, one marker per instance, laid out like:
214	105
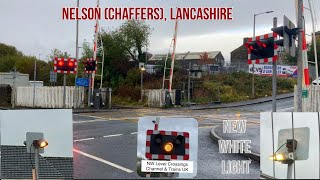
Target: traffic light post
35	143
90	66
64	86
274	77
65	66
288	32
262	49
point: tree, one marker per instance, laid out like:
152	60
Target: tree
123	49
288	59
8	62
205	60
7	50
135	34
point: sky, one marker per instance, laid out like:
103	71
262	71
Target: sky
36	27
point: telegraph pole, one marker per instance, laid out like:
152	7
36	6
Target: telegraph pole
274	77
64	85
299	58
254	35
189	74
34	80
75	95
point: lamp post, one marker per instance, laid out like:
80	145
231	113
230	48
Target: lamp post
254	34
34	80
142	69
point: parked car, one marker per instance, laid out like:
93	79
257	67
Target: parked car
314	82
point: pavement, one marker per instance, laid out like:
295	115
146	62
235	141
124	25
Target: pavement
247	103
242	103
217	134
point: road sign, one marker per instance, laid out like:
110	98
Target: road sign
53	76
305	93
82	82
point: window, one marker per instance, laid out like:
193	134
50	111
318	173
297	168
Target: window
215	68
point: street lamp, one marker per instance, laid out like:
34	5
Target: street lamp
35	143
34	80
142	69
254	34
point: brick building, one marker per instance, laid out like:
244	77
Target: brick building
239	57
213	63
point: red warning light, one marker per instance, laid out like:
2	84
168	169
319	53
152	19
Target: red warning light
60	63
70	64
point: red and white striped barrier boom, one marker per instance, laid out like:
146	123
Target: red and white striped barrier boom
305	55
173	54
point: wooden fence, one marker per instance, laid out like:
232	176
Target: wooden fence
156	97
49	97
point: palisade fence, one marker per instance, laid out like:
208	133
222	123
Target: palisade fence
310	103
49	97
157	97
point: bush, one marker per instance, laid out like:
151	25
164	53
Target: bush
131	92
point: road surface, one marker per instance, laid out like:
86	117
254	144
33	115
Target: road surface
105	143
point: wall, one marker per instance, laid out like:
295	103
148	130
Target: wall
21	79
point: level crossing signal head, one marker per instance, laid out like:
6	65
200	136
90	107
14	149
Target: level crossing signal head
90	65
167	144
66	65
262	48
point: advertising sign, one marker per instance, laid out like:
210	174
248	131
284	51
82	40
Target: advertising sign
266	70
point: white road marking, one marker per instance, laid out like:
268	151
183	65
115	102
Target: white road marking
201	127
285	109
90	121
113	135
103	161
134	133
97	117
86	139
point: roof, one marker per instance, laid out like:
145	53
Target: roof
10	74
179	56
16	163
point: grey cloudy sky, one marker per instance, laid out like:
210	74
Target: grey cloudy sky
35	27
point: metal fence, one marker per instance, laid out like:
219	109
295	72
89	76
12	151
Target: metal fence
311	102
49	97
